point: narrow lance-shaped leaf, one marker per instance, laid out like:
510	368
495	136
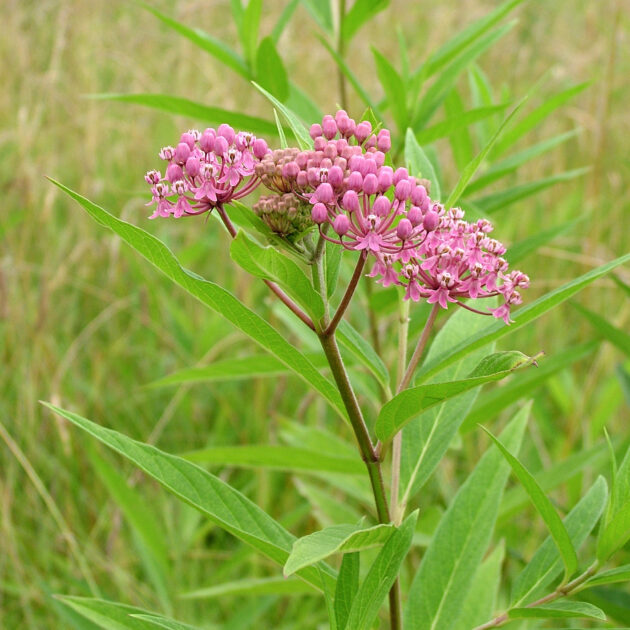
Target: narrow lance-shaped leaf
347	588
252	587
419	164
619	574
344	538
221	503
270	71
268	263
412	402
544	507
559	610
248	30
546	564
381	576
615	335
461	539
352	340
523	316
394	88
361	12
214	297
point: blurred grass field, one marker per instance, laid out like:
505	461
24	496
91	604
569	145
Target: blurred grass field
86	324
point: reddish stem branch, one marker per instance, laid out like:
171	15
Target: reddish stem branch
345	301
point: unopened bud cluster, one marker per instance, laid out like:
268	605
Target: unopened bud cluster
345	187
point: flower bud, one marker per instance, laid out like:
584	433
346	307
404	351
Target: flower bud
324	193
188	139
226	132
319	213
220	145
355	181
418	195
403	190
370	184
383	141
350	201
335	176
193	165
431	221
400	173
381	206
302	180
174	172
414	214
206	142
339	114
362	131
260	148
315	131
404	229
329	127
385	178
290	170
341	224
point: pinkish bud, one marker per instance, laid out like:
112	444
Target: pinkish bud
362	131
379	158
316	130
418	195
301	159
320	143
350	201
383	141
260	148
329	127
301	180
369	166
206	142
174	172
341	224
400	173
189	139
431	221
370	144
226	132
385	178
290	170
193	166
355	181
220	145
339	114
319	213
414	214
381	206
403	190
335	176
182	152
313	176
370	184
404	229
324	193
330	150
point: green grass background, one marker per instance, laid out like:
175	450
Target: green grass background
86	324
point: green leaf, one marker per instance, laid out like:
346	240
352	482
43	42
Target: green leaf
352	340
509	165
503	198
249	30
381	576
460	138
557	610
214	297
449	565
616	336
490	403
256	366
615	535
412	402
419	164
544	507
217	48
283	139
287	458
299	130
546	563
114	616
222	504
252	587
457	122
270	264
347	588
152	542
481	599
360	12
344	538
472	166
426	438
197	111
619	574
321	11
157	621
523	316
284	19
533	119
270	72
394	88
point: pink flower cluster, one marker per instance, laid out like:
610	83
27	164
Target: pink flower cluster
205	170
385	213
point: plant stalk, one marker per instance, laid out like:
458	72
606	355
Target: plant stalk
347	296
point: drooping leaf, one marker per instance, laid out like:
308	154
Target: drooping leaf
270	71
523	316
616	533
214	297
270	264
217	48
321	10
248	30
394	89
289	458
618	337
412	402
448	567
284	19
299	130
619	574
347	588
459	138
197	111
419	164
559	610
352	340
344	538
381	576
361	12
544	507
546	564
221	503
253	587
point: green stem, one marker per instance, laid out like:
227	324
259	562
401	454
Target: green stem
347	296
343	94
